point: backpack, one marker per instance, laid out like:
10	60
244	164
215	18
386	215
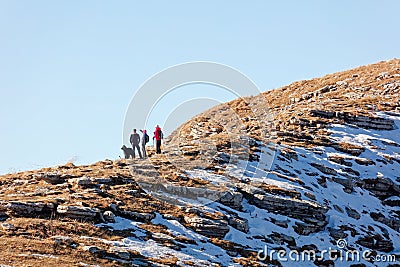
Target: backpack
146	138
159	134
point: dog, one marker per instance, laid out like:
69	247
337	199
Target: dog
128	152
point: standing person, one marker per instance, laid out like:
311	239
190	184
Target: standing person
158	135
135	140
145	139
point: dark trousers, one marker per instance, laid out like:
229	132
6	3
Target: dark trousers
144	150
138	149
158	146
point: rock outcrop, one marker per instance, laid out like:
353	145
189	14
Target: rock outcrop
208	227
298	168
78	212
367	122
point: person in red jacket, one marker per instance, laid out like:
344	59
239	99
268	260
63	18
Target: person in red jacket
158	135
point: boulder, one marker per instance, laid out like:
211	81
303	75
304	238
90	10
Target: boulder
29	209
340	160
364	161
375	123
207	227
89	181
338	208
281	239
280	223
393	223
347	183
108	216
337	234
98	252
78	212
137	216
162	237
232	199
248	189
292	207
120	253
305	228
376	242
352	213
350	172
324	169
311	213
392	201
381	187
239	224
367	122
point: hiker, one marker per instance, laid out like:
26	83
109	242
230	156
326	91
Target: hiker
145	140
158	135
135	140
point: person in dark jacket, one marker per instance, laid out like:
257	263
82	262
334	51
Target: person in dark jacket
145	139
158	135
135	140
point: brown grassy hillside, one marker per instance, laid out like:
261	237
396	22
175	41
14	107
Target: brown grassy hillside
58	216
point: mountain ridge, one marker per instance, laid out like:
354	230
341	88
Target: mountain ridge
297	168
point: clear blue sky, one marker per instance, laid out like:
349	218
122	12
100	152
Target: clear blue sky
68	69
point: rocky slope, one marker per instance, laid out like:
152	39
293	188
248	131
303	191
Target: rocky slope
295	169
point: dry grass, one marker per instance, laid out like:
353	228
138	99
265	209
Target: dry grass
349	146
276	190
359	91
355	91
171	261
33	236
